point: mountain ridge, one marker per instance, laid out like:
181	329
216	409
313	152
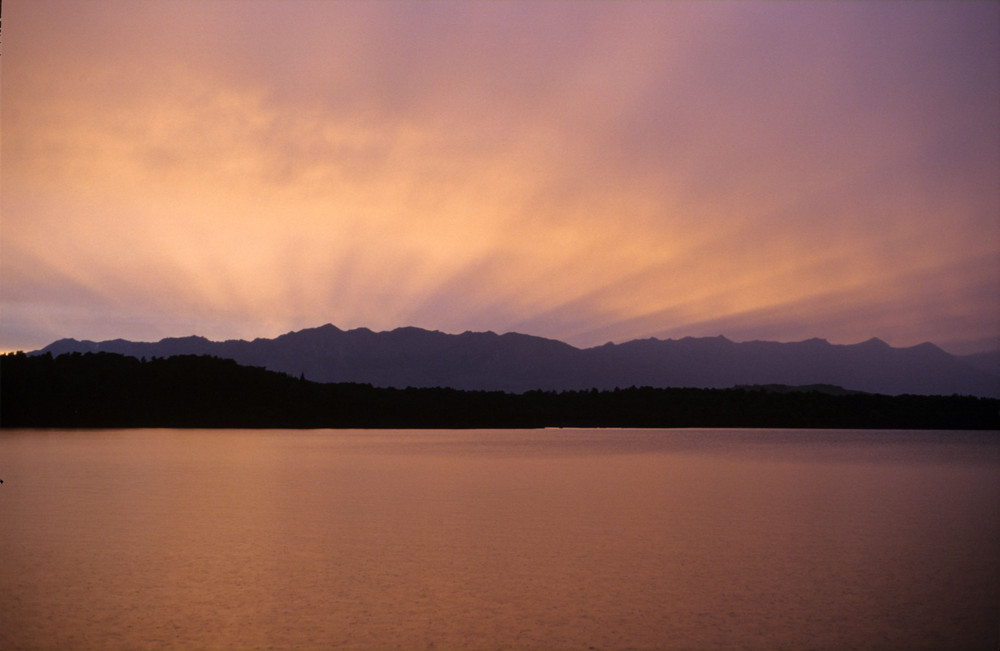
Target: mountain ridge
415	357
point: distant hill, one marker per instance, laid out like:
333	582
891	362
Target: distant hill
989	362
827	389
413	357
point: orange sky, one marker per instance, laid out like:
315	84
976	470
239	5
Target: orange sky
589	172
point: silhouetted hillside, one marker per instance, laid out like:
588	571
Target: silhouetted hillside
989	362
111	390
516	363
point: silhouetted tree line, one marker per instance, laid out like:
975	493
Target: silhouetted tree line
110	390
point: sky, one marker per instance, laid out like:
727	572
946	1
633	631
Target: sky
584	171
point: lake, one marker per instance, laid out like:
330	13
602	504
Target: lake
499	539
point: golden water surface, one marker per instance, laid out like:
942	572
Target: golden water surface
537	539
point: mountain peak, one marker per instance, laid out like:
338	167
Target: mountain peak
326	328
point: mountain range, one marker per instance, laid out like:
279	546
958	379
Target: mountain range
512	362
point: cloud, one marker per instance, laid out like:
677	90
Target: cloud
583	171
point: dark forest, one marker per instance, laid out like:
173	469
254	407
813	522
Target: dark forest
110	390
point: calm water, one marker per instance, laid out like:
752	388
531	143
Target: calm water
554	539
